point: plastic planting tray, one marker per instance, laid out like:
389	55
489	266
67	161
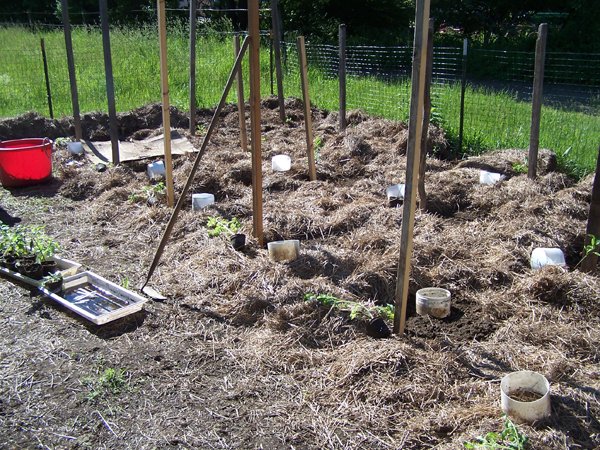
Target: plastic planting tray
95	298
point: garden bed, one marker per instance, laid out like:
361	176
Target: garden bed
237	358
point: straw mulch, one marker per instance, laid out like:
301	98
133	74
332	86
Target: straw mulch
236	358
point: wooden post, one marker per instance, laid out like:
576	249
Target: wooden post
47	78
257	207
415	128
240	97
193	67
536	104
110	87
71	65
463	88
312	170
342	75
426	115
590	262
276	25
164	81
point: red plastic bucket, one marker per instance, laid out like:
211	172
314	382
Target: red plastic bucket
24	162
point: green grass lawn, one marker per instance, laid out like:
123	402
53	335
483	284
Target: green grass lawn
492	119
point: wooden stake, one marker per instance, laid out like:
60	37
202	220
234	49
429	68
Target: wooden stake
47	78
193	67
110	85
276	25
590	262
254	34
164	81
312	170
415	128
342	75
426	114
240	97
71	65
536	103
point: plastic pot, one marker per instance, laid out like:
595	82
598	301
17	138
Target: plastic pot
75	148
156	170
541	257
525	396
377	328
434	302
202	200
281	163
238	241
284	250
486	177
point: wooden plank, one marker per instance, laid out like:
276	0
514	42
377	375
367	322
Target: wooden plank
164	82
426	116
415	128
277	38
71	66
342	75
240	97
254	34
110	86
536	103
192	92
312	170
463	88
590	262
47	78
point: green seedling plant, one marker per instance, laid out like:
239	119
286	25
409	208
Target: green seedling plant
217	226
42	245
125	282
317	146
592	247
520	167
356	310
148	193
110	382
508	439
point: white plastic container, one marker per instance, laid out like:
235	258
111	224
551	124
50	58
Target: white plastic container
486	177
284	250
541	257
75	148
395	192
525	396
156	170
434	302
202	200
281	163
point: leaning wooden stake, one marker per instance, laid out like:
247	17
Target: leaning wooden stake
426	115
342	75
240	98
415	128
536	104
312	170
164	81
590	262
110	85
192	92
276	25
254	55
188	183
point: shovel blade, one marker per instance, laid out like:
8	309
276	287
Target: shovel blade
153	293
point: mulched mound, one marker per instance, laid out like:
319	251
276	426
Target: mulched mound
237	358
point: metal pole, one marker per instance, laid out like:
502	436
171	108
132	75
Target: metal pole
71	64
463	87
275	21
240	97
342	76
193	13
426	117
312	170
47	78
110	87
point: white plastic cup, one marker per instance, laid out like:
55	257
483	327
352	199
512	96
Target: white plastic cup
156	170
395	192
434	302
525	381
202	200
281	163
486	177
75	148
284	250
541	257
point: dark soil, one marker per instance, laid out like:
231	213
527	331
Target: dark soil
236	358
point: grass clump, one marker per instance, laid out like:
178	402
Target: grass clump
109	382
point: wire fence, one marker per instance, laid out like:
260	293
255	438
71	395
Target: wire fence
498	84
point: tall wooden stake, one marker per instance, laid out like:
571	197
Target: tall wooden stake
342	75
240	97
71	65
415	128
312	170
164	81
536	104
590	262
254	34
193	67
276	25
426	115
110	85
463	89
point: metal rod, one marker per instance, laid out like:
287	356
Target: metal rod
463	88
71	65
426	117
47	78
276	25
240	98
342	75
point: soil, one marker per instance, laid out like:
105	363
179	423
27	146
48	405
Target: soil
524	395
236	358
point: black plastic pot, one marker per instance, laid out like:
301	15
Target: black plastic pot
238	241
377	328
34	270
53	286
49	266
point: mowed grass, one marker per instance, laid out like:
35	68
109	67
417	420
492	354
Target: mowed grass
492	119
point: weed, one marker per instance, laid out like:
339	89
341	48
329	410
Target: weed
356	310
520	167
317	146
218	225
110	381
125	282
148	194
508	439
201	129
593	247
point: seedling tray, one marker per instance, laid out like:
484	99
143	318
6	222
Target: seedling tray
65	266
96	299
